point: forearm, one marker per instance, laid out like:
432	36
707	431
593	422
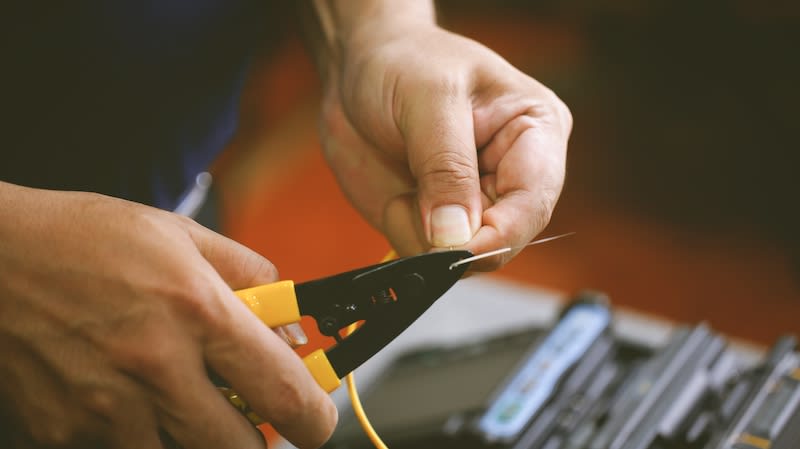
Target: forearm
334	27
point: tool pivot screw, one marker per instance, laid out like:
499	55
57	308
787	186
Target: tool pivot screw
329	325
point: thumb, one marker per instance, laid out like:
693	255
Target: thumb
239	266
440	141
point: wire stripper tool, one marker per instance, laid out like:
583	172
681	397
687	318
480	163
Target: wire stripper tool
386	297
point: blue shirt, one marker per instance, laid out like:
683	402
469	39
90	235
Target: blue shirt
127	98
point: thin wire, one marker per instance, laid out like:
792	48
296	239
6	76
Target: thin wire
350	379
358	409
507	249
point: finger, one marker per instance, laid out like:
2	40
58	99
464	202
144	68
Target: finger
196	415
167	361
137	426
271	378
501	227
489	188
442	157
239	266
292	334
403	228
526	188
503	140
119	402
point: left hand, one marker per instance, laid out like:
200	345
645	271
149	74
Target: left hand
439	142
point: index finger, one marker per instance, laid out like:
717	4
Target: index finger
267	374
527	185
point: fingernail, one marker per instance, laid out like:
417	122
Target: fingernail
450	226
293	334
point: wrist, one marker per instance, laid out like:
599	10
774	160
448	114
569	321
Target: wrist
377	20
353	27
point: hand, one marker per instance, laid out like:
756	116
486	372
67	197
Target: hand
439	142
111	315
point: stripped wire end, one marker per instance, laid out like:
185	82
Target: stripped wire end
507	249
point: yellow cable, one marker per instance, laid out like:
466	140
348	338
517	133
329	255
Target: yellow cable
361	415
351	389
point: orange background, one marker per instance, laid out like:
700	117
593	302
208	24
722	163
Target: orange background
688	263
689	232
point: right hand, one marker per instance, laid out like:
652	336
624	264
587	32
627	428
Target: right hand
111	315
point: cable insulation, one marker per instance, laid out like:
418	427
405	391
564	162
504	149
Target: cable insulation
358	409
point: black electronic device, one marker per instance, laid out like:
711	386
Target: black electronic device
761	410
576	385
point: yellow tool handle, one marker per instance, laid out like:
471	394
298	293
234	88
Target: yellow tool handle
276	305
322	371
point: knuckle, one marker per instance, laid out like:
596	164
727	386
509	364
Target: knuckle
566	115
101	402
546	106
152	220
446	85
449	171
150	359
523	122
560	111
261	267
147	351
184	222
194	297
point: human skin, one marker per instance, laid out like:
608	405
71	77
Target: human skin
112	313
436	140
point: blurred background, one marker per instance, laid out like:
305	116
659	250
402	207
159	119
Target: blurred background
681	179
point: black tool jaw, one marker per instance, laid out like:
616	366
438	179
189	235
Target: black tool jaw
388	297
